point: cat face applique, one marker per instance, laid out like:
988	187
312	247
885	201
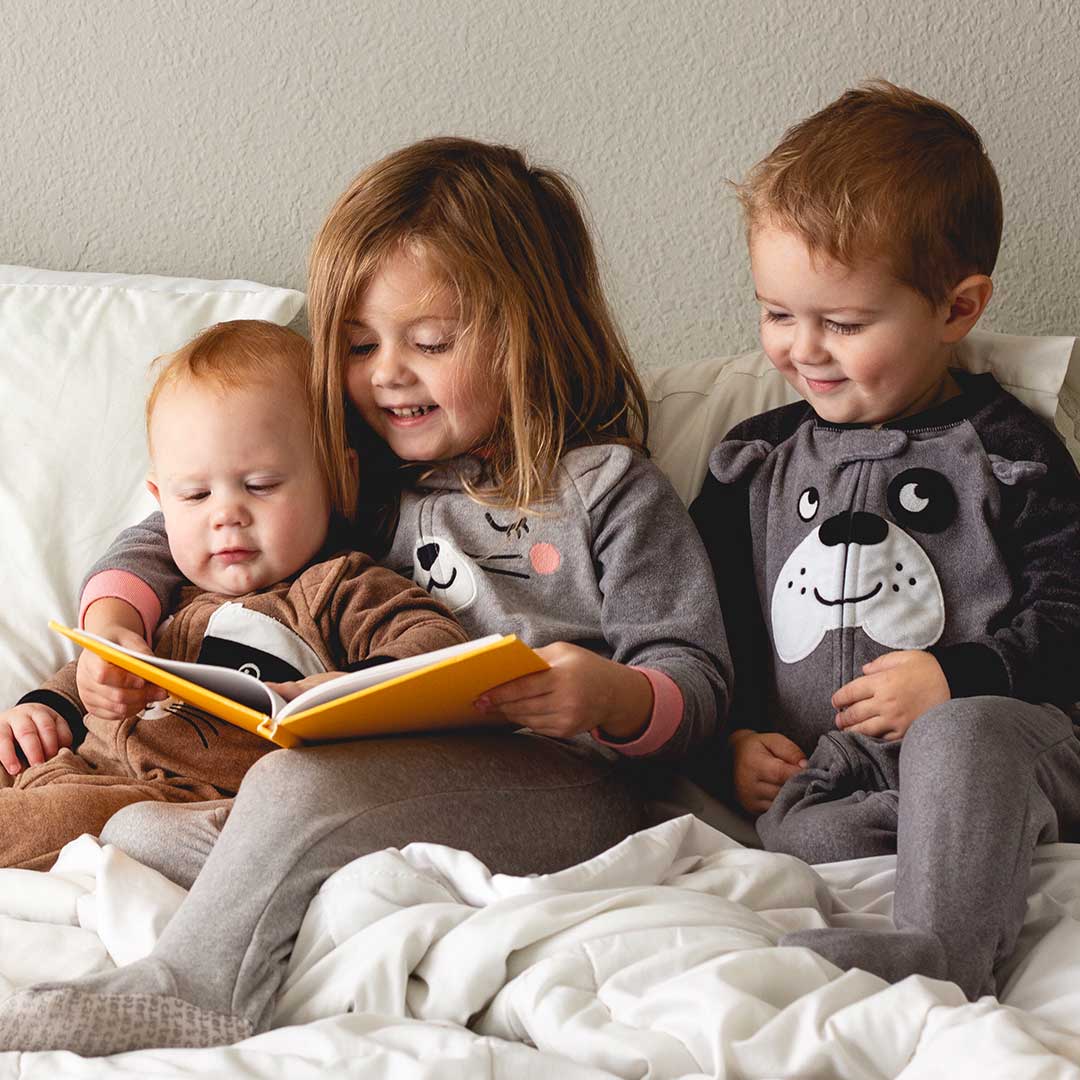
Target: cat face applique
500	547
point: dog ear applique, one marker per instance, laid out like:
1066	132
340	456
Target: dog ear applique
1012	473
733	460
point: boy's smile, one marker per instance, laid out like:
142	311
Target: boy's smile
858	345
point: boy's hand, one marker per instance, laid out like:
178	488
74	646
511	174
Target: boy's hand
38	730
763	763
579	692
108	691
893	691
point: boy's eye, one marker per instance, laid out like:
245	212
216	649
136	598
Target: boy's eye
843	328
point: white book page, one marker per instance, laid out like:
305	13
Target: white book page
237	685
333	689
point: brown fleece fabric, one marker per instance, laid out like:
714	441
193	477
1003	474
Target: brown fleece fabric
345	609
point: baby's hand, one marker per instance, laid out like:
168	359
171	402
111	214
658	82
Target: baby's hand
108	691
579	692
763	763
38	730
289	690
893	691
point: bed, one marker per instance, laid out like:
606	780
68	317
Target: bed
656	959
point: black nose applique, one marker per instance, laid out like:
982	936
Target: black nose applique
427	555
853	528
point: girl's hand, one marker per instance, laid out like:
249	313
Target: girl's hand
289	690
579	692
38	730
893	691
108	691
763	763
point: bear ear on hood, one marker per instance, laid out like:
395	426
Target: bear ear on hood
1016	472
734	460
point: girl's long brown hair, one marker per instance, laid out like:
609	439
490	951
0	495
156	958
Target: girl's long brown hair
511	243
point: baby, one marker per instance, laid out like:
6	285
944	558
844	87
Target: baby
252	524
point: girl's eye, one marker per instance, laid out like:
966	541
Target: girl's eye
434	347
774	316
362	350
843	328
261	489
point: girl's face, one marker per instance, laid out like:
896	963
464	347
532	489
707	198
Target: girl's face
409	374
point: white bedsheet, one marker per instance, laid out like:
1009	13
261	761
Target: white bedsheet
656	959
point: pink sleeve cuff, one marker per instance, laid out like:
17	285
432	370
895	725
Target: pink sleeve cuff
667	713
123	586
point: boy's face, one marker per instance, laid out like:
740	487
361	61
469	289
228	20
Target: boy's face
857	344
235	473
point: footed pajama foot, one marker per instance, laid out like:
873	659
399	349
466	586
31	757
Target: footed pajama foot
132	1008
890	954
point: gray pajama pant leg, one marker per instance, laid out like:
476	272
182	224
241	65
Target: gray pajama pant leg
175	839
843	805
520	803
980	781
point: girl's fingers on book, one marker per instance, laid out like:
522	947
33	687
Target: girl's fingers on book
517	690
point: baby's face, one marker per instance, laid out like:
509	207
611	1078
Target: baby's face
235	473
857	344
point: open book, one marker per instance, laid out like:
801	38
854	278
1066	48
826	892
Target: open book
419	693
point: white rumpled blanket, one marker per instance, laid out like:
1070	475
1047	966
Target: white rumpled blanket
655	959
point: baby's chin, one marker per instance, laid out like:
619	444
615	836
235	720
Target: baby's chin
229	581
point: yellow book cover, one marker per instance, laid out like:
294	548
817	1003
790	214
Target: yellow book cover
433	691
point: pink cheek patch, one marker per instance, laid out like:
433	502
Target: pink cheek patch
545	558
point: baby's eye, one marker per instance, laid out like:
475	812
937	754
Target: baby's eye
193	496
842	327
262	487
774	316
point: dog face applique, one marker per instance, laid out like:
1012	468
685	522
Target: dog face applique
858	568
883	535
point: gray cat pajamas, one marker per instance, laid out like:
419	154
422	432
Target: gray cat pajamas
956	531
612	563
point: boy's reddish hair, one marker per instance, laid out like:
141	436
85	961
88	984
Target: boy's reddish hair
883	172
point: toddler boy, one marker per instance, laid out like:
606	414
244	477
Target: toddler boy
898	554
250	521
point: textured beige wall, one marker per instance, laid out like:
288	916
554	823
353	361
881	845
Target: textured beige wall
208	138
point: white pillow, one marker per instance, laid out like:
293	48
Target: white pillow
693	406
74	352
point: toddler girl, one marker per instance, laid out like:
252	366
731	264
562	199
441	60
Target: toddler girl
464	349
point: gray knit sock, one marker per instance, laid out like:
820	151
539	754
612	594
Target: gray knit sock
95	1024
890	954
129	1008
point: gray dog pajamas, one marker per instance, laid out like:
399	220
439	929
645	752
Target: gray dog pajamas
955	531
